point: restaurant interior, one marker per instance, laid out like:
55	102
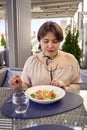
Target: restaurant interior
20	43
22	19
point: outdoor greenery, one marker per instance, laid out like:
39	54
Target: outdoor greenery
71	45
3	42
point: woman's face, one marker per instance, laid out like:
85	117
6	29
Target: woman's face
49	44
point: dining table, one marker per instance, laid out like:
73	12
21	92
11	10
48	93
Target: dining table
75	118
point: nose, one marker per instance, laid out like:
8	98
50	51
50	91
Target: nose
50	44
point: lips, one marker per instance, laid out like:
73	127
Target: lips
50	50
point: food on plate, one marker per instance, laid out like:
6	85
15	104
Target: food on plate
44	94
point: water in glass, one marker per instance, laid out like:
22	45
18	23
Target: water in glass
20	102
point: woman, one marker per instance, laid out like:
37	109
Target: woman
50	66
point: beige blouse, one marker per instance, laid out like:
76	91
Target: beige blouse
64	68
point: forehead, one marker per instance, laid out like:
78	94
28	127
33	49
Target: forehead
50	35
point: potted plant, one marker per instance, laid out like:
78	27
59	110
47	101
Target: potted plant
71	45
3	45
3	42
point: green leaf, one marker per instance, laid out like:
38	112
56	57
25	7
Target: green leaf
33	95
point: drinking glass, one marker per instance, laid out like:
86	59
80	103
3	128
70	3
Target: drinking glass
20	102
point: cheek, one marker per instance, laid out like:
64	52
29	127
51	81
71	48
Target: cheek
43	46
57	46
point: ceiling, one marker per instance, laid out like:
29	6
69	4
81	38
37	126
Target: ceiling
54	8
48	8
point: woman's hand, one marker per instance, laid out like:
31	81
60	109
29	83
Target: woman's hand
15	81
58	84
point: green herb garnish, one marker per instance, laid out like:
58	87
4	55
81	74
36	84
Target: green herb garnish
33	95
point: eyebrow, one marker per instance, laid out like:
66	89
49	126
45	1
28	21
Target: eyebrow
48	39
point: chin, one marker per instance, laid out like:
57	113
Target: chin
51	55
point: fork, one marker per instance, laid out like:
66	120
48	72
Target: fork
80	83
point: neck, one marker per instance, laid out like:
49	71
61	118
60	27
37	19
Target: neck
49	57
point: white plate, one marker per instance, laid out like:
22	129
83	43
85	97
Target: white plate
59	91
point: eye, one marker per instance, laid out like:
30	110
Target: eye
55	41
46	41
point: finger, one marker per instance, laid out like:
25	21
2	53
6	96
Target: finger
62	87
15	78
53	82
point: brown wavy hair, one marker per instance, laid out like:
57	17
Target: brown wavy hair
50	26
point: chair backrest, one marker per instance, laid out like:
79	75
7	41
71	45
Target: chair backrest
84	79
3	72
